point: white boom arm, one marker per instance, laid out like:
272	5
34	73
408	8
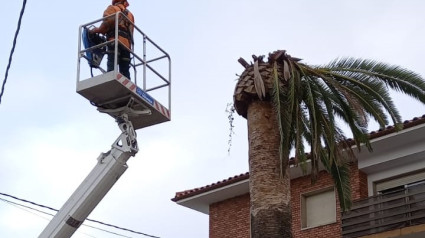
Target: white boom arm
110	167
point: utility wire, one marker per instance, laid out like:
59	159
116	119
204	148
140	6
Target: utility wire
13	48
17	204
95	221
24	207
97	228
26	201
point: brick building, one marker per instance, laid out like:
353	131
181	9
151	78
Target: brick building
388	189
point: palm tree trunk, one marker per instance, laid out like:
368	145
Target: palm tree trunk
270	193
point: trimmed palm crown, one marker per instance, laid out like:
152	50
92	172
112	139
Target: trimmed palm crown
309	99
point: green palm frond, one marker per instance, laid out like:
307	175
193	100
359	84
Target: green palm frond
379	94
278	108
309	100
341	177
395	77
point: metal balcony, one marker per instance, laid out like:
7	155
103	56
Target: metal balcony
391	211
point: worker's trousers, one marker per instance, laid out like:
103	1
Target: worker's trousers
123	60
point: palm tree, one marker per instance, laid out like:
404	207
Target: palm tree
291	107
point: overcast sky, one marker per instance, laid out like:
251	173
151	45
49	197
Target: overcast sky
51	136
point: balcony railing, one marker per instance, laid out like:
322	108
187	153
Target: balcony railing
398	209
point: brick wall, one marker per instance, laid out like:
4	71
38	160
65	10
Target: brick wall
303	185
300	186
230	218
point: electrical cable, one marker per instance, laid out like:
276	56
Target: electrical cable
13	48
26	201
21	206
95	221
97	228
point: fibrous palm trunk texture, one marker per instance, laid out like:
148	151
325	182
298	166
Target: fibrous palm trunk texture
269	193
269	190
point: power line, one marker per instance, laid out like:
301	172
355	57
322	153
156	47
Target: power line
24	207
17	204
21	206
97	228
13	48
26	201
95	221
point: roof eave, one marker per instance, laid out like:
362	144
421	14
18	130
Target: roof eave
201	202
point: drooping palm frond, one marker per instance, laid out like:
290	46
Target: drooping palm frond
372	74
308	99
395	77
276	94
341	177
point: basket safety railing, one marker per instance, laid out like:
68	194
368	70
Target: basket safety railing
155	67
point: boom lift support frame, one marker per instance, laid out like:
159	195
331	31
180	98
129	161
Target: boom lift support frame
109	168
132	108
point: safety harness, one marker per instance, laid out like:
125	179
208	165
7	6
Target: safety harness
123	26
90	39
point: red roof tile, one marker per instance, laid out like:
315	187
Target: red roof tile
219	184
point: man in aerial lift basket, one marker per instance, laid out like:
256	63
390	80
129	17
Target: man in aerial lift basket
125	35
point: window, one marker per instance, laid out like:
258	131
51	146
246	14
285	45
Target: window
401	199
400	182
318	208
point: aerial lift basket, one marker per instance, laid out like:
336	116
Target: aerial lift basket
111	90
